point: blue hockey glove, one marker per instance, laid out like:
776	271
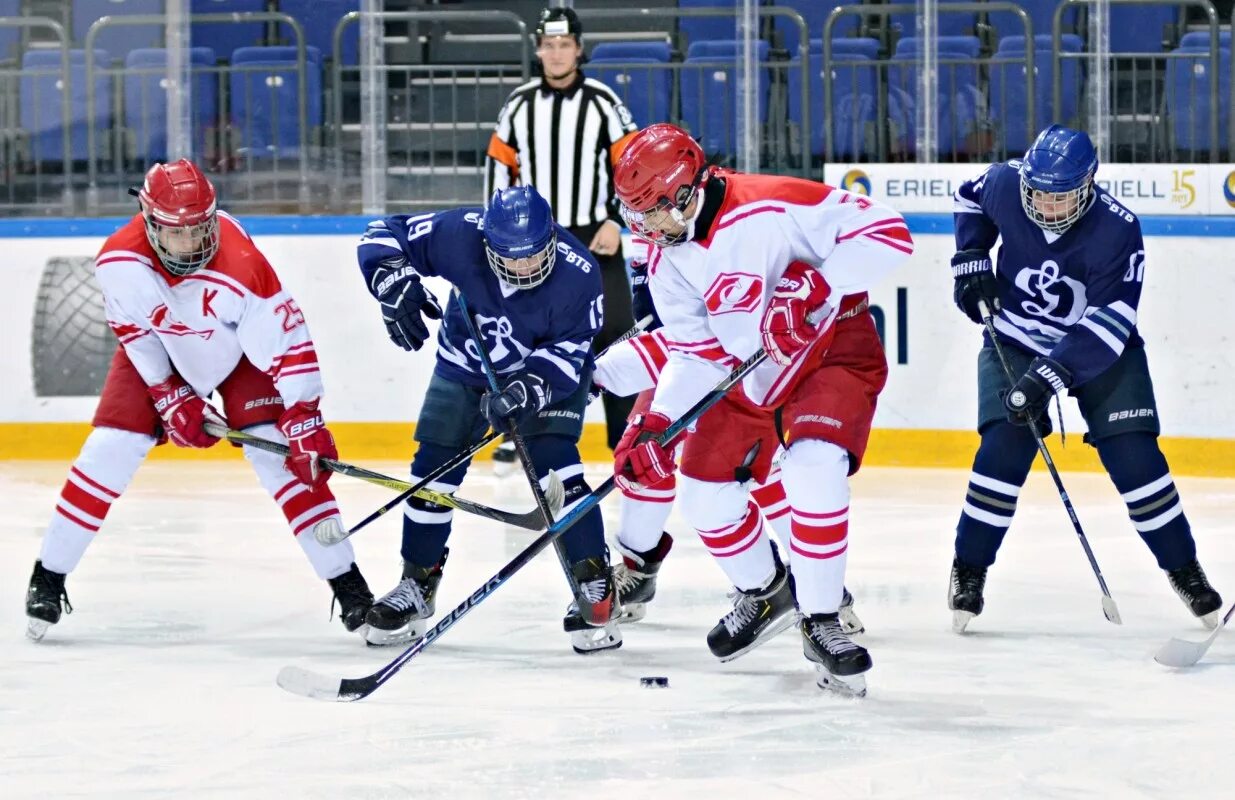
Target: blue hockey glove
405	303
1031	394
523	395
974	280
641	296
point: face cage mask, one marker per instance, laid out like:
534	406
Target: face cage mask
1080	198
641	223
205	234
542	262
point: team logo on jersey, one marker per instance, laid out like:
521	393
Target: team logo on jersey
856	181
1056	297
165	324
734	291
499	338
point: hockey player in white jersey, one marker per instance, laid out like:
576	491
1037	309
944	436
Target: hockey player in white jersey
740	263
197	309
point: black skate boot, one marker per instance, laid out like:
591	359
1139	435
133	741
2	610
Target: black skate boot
839	662
43	601
635	577
595	627
403	613
965	593
352	594
757	616
1190	583
849	621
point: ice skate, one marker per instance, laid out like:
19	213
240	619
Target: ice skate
635	577
352	594
839	661
965	593
849	621
1190	583
402	615
45	599
757	616
596	627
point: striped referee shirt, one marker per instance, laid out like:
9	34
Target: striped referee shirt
565	143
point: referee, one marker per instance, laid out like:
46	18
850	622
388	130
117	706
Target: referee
562	133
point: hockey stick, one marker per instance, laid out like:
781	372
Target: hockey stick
531	520
1109	609
525	459
329	539
306	683
1179	653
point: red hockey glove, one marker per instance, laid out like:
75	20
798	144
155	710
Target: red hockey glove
785	330
639	457
309	441
184	413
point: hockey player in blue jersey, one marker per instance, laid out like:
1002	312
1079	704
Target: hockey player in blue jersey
1065	296
534	293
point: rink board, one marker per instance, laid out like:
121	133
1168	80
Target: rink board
373	389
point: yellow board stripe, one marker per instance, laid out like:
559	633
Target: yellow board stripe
392	441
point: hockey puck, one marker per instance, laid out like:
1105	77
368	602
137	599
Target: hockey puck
654	682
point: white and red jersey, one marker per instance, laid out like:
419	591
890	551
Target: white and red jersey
200	325
711	292
630	367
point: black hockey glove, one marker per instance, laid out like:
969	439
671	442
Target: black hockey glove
974	280
405	303
641	296
1031	394
524	394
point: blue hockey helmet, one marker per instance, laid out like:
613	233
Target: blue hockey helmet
1057	178
520	239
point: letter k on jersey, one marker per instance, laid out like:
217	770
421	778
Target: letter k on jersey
734	291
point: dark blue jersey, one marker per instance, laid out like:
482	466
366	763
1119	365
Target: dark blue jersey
1072	297
547	329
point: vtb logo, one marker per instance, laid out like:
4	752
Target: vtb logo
164	323
734	292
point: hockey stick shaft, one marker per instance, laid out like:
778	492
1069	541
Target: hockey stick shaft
530	520
308	684
1109	609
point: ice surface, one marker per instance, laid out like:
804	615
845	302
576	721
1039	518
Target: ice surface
161	683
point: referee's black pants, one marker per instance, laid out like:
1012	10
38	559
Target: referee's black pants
618	320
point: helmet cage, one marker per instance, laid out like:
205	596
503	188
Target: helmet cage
1075	202
523	272
183	249
648	223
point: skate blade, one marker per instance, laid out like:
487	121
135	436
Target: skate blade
595	640
843	685
960	620
633	612
849	622
376	637
771	632
36	629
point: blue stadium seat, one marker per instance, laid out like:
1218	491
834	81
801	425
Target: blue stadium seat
227	37
1188	81
710	102
264	91
1041	16
951	23
854	96
643	83
41	92
319	18
814	13
145	100
1009	99
9	37
117	40
1140	29
961	104
708	29
1201	39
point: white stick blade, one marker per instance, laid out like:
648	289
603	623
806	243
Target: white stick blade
555	493
1180	654
305	683
329	532
1111	610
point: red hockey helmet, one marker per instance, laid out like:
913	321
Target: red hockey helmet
655	179
182	224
